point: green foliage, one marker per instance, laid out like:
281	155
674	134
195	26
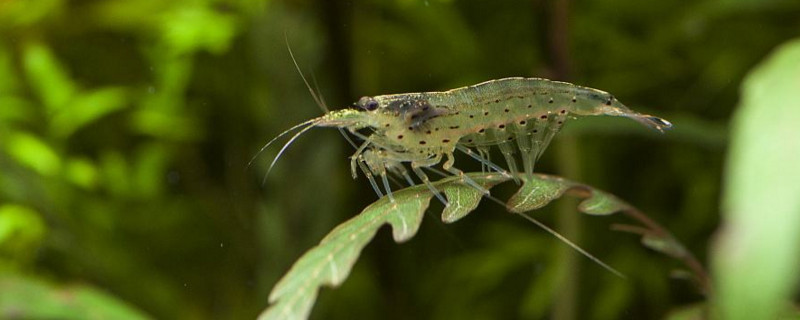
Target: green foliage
86	144
30	151
759	246
126	127
330	262
26	298
21	233
48	78
538	192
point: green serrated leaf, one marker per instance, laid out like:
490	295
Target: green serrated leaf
601	203
536	193
330	262
463	198
542	189
665	245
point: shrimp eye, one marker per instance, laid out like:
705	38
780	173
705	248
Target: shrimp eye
368	103
610	100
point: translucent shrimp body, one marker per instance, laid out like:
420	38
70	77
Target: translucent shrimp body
518	115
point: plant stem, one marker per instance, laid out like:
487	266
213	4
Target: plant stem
567	299
653	230
702	279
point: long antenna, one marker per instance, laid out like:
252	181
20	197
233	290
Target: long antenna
539	223
321	103
560	237
276	138
317	96
313	94
326	109
572	244
280	153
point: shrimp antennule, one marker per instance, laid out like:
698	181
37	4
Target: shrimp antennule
285	146
317	96
278	137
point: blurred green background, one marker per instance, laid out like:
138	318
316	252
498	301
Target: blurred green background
126	127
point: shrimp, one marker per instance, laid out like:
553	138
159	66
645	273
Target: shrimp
425	129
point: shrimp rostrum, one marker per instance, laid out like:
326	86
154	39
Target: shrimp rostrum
422	130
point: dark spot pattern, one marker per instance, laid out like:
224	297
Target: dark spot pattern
418	111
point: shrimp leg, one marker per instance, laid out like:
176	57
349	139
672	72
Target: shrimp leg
448	166
368	174
524	144
386	186
416	167
356	158
403	172
508	152
483	152
483	161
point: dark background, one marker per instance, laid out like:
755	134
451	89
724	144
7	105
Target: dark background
126	127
